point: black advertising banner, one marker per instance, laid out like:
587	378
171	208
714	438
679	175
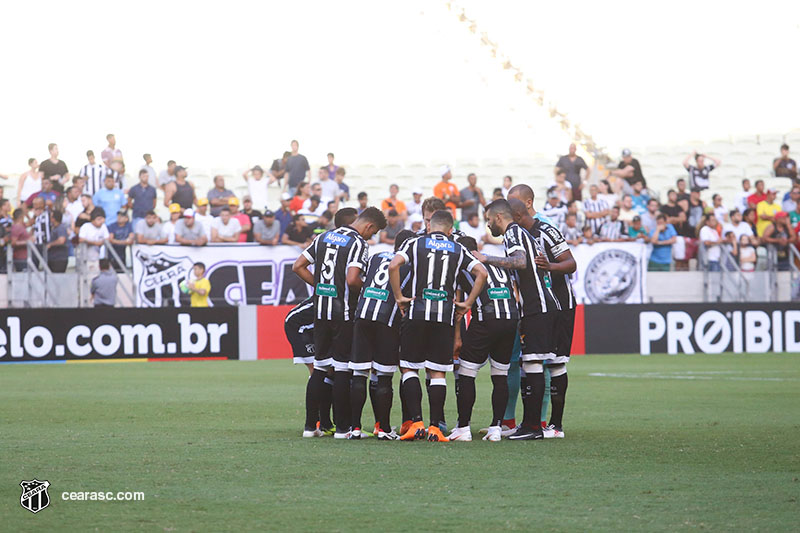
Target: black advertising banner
693	328
62	335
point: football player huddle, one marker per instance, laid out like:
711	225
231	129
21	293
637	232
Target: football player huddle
369	317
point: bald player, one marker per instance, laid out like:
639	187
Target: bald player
560	263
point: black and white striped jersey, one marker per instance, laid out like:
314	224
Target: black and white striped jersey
595	206
496	300
95	176
613	230
41	228
554	244
435	260
535	291
557	213
376	302
454	236
301	317
332	253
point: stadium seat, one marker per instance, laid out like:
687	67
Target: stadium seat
771	139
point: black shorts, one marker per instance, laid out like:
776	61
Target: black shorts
426	344
302	341
565	325
375	345
333	342
488	338
537	336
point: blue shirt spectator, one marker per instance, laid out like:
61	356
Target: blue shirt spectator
142	197
120	230
662	253
110	198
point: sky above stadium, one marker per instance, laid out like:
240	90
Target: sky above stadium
228	85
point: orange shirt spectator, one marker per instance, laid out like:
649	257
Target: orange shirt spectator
446	190
393	203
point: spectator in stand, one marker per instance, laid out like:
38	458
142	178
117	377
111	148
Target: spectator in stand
497	193
572	232
120	235
141	197
331	167
323	223
225	228
730	245
744	194
104	286
94	235
648	219
605	193
508	182
278	169
791	199
613	230
394	225
344	189
218	196
316	190
757	197
662	238
683	194
299	233
697	208
747	254
674	213
699	173
639	198
303	193
298	168
562	186
750	218
152	177
414	207
415	222
267	230
766	211
708	235
555	209
6	221
72	206
447	191
362	202
392	203
189	231
253	214
109	198
181	191
149	230
167	175
572	165
638	232
737	226
284	214
47	194
244	220
794	216
473	228
573	208
471	199
597	209
57	249
589	237
19	241
328	188
629	171
627	212
111	152
85	215
202	217
54	169
784	166
720	211
313	209
168	227
780	234
30	182
257	185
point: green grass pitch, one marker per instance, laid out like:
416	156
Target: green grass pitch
653	443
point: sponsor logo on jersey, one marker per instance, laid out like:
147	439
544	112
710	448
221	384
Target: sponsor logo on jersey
499	293
376	294
440	245
337	239
325	289
386	255
434	295
611	277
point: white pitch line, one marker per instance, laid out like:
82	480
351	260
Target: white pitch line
685	376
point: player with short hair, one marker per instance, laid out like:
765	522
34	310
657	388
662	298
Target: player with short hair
340	259
376	342
490	335
430	314
536	305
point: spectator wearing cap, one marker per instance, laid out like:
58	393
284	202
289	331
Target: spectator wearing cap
414	207
284	214
149	230
120	235
225	227
141	197
278	169
57	248
109	198
104	286
784	166
766	211
244	220
344	189
508	182
257	186
267	230
473	228
699	173
662	238
394	225
636	231
183	193
393	204
447	191
299	233
416	222
781	235
252	214
328	188
629	171
572	164
94	235
201	215
189	231
218	196
758	196
471	199
297	167
303	193
555	209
